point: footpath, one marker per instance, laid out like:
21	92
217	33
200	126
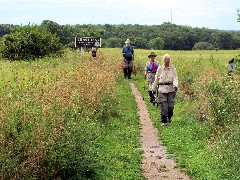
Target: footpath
156	163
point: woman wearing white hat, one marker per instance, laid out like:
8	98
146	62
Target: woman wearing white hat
128	57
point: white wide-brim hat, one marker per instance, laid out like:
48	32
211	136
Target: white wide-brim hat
127	41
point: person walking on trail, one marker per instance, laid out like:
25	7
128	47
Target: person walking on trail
94	53
231	67
128	57
166	83
150	72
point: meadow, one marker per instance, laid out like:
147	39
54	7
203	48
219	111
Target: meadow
204	133
71	117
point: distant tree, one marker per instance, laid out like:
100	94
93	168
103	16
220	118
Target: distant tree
62	32
29	42
175	37
156	43
6	29
203	46
140	43
236	42
222	40
114	42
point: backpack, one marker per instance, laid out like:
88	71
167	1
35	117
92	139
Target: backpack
128	51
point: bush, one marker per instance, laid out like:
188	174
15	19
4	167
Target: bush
114	42
224	101
156	43
203	46
29	42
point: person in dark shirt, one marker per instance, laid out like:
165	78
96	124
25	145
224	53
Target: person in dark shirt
128	57
94	52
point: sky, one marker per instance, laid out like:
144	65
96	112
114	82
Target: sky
212	14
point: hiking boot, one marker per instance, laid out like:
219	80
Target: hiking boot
164	124
169	120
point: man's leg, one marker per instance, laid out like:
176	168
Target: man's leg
163	107
125	68
151	96
170	101
130	67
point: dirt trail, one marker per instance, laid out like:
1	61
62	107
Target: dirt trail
156	163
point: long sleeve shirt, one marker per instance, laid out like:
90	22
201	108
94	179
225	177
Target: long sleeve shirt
165	79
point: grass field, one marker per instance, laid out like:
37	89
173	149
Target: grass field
204	134
71	117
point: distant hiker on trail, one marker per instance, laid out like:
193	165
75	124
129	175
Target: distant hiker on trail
94	52
231	67
166	83
150	72
128	57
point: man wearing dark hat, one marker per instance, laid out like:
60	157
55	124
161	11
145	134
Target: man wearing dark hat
150	72
128	57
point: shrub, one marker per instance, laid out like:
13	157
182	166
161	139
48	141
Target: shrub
156	43
29	42
224	101
203	46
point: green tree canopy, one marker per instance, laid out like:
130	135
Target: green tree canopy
203	46
29	42
156	43
114	42
175	37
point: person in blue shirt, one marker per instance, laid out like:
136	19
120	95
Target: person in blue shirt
150	72
128	57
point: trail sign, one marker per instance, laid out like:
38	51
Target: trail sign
87	42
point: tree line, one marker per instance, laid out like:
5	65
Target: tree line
166	36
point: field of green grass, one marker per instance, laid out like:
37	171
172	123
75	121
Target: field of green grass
204	132
70	117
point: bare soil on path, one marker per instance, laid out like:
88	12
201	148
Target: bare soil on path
156	163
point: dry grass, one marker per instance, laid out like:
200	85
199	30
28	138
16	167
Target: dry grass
35	111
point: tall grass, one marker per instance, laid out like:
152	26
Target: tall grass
50	115
67	117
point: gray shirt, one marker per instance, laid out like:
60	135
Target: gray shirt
165	79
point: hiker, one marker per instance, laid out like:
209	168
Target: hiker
150	72
231	66
94	52
128	57
166	83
